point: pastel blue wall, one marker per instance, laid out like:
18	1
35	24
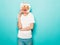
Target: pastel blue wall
47	17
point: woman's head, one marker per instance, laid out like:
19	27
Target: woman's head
25	7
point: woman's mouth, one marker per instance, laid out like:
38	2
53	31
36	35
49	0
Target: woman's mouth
25	10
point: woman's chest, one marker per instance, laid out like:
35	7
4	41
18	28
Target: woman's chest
25	20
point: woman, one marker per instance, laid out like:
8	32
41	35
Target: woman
25	24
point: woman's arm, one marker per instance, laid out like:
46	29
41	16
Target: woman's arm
28	28
19	21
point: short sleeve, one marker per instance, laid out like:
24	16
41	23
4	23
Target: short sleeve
31	19
17	17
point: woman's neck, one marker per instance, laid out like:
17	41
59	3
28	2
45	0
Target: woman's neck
25	14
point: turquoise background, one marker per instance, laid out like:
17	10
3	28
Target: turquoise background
47	21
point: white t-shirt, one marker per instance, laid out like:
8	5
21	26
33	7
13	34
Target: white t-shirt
25	21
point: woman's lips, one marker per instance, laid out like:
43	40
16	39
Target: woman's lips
25	10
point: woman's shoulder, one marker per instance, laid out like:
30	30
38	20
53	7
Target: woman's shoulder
31	15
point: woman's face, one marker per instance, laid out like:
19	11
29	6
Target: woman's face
25	8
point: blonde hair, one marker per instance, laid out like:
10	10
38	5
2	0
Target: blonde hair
22	4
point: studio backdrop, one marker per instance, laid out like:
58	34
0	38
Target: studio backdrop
47	21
